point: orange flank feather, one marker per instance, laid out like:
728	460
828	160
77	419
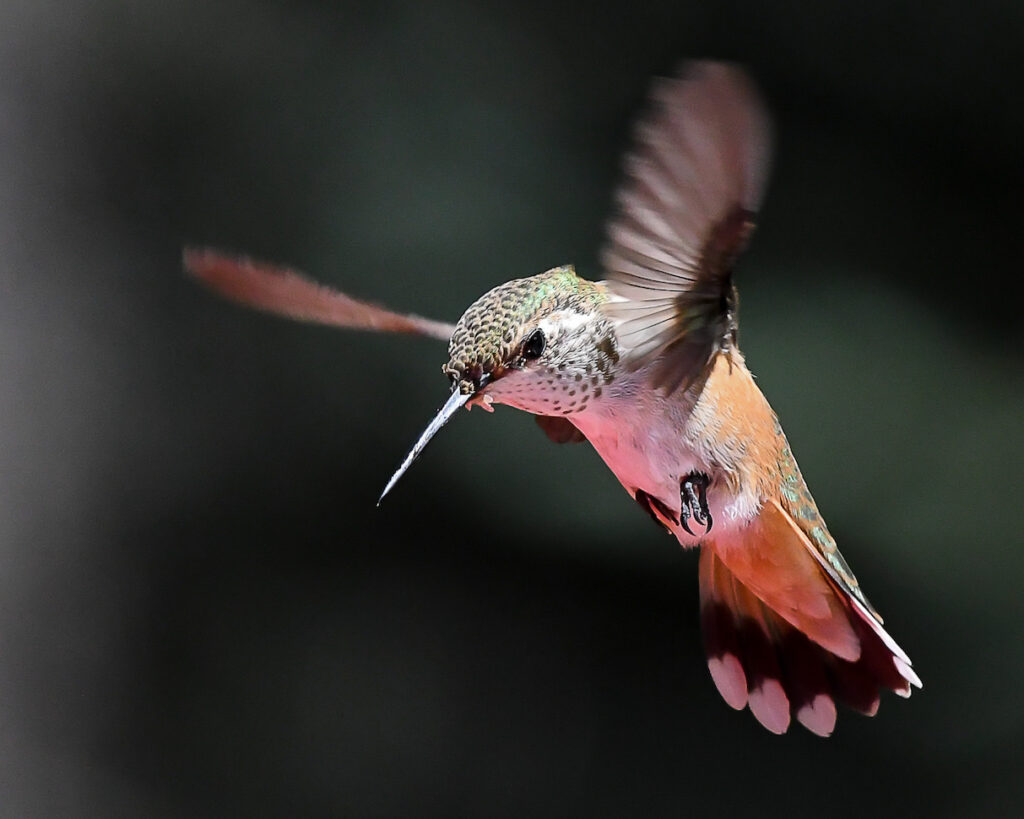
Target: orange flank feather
787	629
769	557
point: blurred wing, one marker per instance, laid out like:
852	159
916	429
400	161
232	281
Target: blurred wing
288	293
684	213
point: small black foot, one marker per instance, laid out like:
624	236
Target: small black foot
693	495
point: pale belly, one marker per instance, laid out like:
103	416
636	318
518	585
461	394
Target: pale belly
650	444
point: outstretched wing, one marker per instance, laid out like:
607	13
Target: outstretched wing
684	213
289	293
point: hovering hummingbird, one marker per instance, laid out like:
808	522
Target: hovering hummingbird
645	366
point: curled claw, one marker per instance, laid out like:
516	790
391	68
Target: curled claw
708	521
702	497
685	510
693	493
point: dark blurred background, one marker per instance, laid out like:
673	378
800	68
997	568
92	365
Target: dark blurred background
202	613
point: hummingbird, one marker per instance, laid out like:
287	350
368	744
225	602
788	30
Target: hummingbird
645	365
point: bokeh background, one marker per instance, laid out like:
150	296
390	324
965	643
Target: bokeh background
202	613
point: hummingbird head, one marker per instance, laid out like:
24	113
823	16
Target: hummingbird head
540	344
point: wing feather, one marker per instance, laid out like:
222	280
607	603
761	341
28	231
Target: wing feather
289	293
684	213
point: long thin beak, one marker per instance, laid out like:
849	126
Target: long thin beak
454	403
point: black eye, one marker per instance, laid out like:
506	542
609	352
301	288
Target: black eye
534	345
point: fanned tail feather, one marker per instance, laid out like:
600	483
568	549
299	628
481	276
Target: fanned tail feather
758	658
